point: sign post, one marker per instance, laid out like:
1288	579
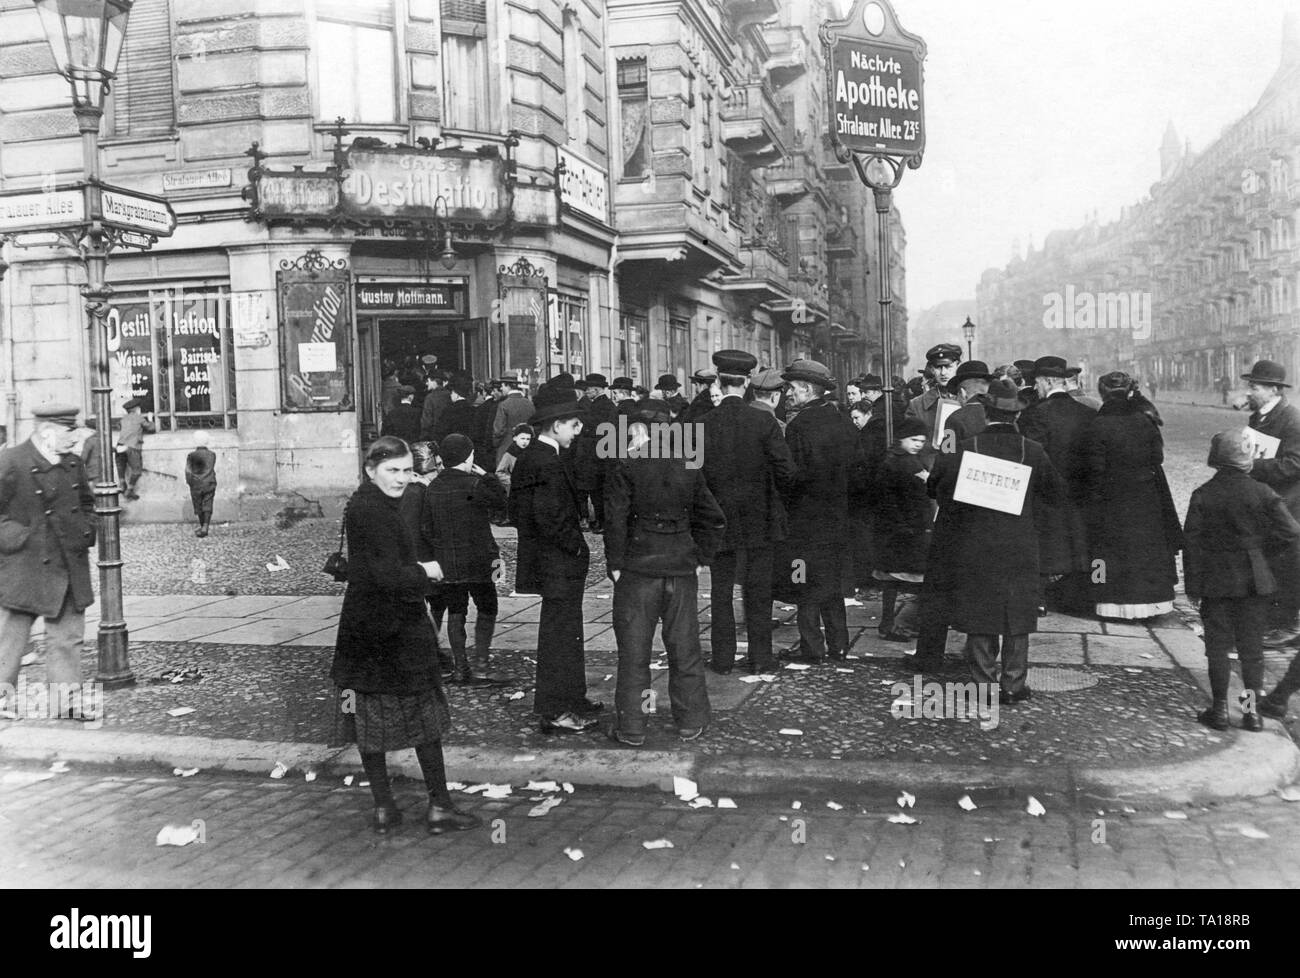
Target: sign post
875	89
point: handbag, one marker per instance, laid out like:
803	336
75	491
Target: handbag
336	564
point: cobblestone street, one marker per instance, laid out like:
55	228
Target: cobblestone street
85	828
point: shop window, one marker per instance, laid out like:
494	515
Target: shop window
679	346
568	331
634	103
623	351
357	60
172	347
142	101
465	99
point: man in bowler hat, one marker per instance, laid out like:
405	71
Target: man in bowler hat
747	465
47	527
590	470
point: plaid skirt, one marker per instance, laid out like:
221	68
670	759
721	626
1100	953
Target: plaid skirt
380	722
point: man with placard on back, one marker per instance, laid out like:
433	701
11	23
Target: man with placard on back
992	492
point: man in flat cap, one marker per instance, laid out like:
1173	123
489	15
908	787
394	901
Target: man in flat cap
47	527
940	365
766	387
130	445
817	502
747	465
702	403
1057	422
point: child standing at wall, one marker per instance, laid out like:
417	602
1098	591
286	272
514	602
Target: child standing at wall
201	477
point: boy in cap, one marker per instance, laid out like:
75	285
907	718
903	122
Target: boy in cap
201	477
47	527
456	530
902	520
553	559
1235	524
664	527
130	442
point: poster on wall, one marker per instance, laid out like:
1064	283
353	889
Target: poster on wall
315	305
198	373
130	352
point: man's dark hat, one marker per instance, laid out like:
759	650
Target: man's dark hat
766	381
910	428
622	384
652	409
668	382
871	382
943	353
509	380
562	381
1026	369
1004	396
974	370
60	414
405	390
131	404
463	384
737	363
1267	372
705	375
1054	367
455	448
580	384
555	403
811	371
597	380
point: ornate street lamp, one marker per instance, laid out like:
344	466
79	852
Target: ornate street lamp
86	39
448	254
968	331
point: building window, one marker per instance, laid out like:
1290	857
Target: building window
634	102
172	347
356	55
465	100
679	346
568	331
625	351
142	102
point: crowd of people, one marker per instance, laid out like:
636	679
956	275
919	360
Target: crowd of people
973	499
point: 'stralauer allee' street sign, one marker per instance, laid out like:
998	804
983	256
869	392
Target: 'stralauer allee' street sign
37	210
876	88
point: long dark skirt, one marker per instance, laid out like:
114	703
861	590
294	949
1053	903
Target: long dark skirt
378	722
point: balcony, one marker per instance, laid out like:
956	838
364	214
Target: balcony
660	219
790	53
742	13
765	272
841	241
753	125
794	176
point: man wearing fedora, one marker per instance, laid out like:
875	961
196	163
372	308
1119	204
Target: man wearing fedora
940	366
989	574
515	409
817	503
747	465
553	558
1272	414
589	470
1057	422
702	403
970	383
47	527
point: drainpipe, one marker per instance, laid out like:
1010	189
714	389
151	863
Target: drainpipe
7	322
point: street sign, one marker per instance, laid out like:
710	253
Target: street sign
875	83
134	239
38	210
132	211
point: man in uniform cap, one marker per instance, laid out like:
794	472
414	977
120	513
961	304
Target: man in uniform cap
940	364
1273	415
702	403
817	502
747	465
47	527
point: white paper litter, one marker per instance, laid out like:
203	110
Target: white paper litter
1177	816
685	788
176	835
797	667
602	597
1138	671
1250	832
761	678
309	776
280	564
515	696
180	711
866	868
185	772
523	758
1035	807
701	802
608	678
279	771
726	803
830	859
855	658
658	666
568	788
796	805
574	854
835	806
657	844
842	669
902	819
537	811
787	607
852	603
965	804
59	767
25	777
735	865
1290	793
790	732
455	786
906	800
541	786
348	781
1145	655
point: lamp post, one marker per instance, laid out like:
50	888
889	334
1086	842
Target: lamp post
448	254
968	331
86	37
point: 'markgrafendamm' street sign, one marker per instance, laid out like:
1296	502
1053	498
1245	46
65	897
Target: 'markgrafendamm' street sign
876	87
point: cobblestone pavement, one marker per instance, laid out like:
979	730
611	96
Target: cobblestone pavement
87	828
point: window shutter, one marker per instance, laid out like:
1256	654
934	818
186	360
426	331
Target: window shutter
143	98
374	13
470	11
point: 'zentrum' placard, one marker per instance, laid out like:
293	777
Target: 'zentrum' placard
877	99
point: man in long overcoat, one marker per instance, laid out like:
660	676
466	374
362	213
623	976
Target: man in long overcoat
591	471
746	465
47	527
989	574
515	409
817	503
1057	422
940	363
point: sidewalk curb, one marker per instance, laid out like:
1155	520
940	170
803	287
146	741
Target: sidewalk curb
1251	766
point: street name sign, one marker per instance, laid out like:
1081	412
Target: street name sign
39	210
132	211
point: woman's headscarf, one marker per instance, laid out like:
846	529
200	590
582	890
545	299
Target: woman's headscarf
1116	385
1232	449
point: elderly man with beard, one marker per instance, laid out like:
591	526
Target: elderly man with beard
817	503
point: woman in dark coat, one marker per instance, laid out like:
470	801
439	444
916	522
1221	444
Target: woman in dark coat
901	524
385	658
1133	528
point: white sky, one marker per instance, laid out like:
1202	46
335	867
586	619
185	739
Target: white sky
1040	111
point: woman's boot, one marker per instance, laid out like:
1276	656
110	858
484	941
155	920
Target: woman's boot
1216	717
484	628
